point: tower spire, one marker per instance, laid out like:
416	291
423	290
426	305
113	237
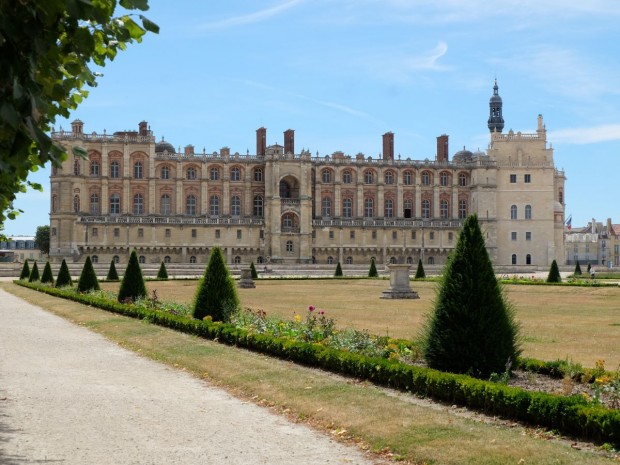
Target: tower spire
496	121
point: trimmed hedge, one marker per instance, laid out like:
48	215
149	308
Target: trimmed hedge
570	415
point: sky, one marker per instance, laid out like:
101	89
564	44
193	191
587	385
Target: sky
343	72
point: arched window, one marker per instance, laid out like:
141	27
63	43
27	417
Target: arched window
235	174
167	259
514	258
115	204
393	260
165	172
408	208
137	170
443	209
326	207
348	261
164	204
347	208
138	204
330	260
94	204
214	205
115	169
237	260
235	206
463	180
287	222
285	190
443	178
369	208
192	259
77	167
513	212
115	259
388	208
76	203
426	208
409	260
191	173
462	209
141	259
528	212
407	178
94	259
369	177
528	259
389	177
260	260
258	174
289	246
326	176
214	173
190	205
258	205
426	178
346	177
94	168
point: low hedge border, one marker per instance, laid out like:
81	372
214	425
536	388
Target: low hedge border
568	415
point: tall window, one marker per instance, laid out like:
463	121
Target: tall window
165	172
138	204
326	176
94	168
408	208
115	204
426	208
388	208
77	167
235	174
389	177
54	203
348	261
258	174
94	204
443	178
235	205
426	178
289	246
191	173
528	259
407	178
513	212
443	209
137	170
347	208
514	259
369	177
528	212
462	209
76	204
214	205
346	177
258	205
463	179
114	169
190	205
326	207
164	204
214	174
369	208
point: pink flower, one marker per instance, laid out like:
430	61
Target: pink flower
321	312
311	308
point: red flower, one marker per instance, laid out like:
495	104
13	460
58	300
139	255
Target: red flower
311	308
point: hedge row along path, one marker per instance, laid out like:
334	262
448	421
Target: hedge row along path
69	395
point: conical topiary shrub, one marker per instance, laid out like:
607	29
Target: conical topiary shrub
338	272
372	272
88	278
63	278
162	273
132	285
253	270
34	274
47	277
577	271
589	268
25	274
216	295
554	273
112	274
419	273
471	328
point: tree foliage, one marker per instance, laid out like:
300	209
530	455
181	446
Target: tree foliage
25	274
372	272
472	328
47	276
42	239
162	273
132	285
577	271
216	295
554	273
64	277
34	273
112	274
47	49
88	278
338	272
419	273
253	270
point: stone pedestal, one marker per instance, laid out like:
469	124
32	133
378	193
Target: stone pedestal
246	281
399	283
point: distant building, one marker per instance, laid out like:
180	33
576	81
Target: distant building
18	249
282	206
592	244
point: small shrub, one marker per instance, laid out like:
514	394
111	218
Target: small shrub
372	272
34	274
132	285
554	273
162	273
216	295
47	277
112	274
338	272
253	270
577	271
25	274
63	278
419	274
88	278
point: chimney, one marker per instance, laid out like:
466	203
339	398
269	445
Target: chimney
189	150
442	148
261	141
143	128
388	146
289	141
77	127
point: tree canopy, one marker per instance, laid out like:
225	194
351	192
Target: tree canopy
47	50
42	239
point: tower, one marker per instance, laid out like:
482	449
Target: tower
496	121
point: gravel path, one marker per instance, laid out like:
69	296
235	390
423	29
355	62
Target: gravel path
70	396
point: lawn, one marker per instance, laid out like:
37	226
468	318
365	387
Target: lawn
578	323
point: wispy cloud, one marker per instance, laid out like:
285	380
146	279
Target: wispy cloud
603	133
251	18
429	60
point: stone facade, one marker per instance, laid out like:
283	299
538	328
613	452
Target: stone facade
279	206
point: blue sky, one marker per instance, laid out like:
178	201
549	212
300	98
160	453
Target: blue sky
343	72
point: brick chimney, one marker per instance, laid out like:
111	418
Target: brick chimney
261	141
289	141
442	148
143	128
388	146
189	150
